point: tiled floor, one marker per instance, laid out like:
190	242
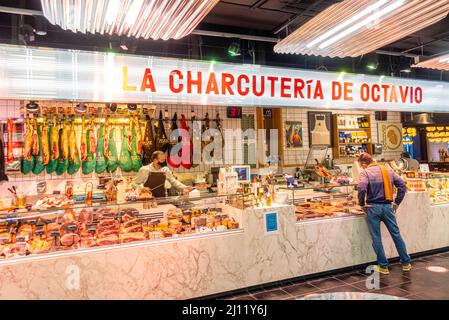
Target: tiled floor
419	284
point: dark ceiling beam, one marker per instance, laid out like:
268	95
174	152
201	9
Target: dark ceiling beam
296	18
20	11
234	35
438	37
258	8
395	53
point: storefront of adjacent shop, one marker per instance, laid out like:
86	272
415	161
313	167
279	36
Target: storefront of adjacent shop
212	242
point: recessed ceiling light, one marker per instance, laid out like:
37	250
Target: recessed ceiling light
234	49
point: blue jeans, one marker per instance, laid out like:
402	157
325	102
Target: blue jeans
384	212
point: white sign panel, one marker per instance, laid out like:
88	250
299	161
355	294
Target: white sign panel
42	74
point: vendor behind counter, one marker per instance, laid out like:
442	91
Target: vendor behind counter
409	163
158	178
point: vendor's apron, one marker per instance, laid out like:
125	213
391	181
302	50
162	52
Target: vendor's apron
158	191
320	134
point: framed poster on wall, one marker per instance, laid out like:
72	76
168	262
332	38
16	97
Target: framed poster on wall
320	128
293	134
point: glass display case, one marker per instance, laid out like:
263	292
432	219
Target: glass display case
437	187
80	226
323	201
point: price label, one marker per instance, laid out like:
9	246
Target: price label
72	227
424	167
54	234
21	239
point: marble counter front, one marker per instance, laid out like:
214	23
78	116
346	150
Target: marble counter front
209	264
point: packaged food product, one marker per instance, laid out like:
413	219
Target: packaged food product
155	235
201	221
163	224
174	214
225	222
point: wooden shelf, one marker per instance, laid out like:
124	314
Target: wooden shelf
353	129
353	143
337	129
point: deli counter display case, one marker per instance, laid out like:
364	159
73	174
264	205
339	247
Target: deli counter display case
75	227
322	201
437	187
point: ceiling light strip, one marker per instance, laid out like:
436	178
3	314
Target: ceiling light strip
438	63
355	42
347	23
324	22
409	21
156	19
363	23
330	34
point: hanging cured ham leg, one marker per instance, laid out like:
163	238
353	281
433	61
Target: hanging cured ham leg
54	141
92	136
125	161
174	160
196	136
83	146
88	165
161	137
45	143
28	143
148	145
53	138
187	146
39	164
100	159
107	129
135	156
35	143
63	161
74	157
28	159
138	135
112	152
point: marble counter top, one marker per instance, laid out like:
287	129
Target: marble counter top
199	266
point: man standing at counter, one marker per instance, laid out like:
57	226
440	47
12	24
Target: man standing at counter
376	186
157	177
